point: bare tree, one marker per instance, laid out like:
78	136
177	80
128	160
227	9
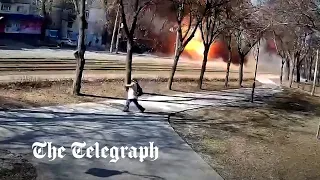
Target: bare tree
248	29
281	52
79	54
188	20
245	44
300	55
130	11
294	48
294	55
235	14
228	33
210	28
299	20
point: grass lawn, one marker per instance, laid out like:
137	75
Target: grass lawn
47	93
276	141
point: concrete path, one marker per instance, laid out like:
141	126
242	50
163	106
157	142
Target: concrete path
99	122
105	123
186	101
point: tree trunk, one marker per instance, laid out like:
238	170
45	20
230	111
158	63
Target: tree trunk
287	75
281	71
241	71
173	69
176	48
292	67
79	54
255	73
305	70
318	77
129	61
315	74
114	30
298	77
204	65
226	83
310	69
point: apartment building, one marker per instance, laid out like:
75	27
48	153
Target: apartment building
22	17
64	21
19	17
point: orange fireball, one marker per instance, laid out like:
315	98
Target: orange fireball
195	47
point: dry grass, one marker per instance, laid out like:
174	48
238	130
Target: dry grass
276	141
307	87
27	94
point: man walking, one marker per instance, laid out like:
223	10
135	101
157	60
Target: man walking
134	91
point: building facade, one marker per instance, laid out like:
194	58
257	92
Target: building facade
22	17
65	22
19	19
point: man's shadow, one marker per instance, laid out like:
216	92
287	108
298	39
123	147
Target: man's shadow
104	173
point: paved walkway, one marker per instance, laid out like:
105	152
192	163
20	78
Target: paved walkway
187	101
93	122
105	123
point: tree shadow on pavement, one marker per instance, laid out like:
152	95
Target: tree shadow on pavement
117	129
102	97
103	173
19	129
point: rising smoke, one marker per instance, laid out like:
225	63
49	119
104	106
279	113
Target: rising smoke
159	30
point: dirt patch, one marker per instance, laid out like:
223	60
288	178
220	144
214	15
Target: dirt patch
47	93
14	167
307	87
275	141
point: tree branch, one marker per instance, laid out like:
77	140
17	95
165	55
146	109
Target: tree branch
191	35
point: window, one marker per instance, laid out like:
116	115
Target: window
87	14
20	9
5	7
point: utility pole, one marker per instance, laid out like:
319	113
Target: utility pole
118	37
114	30
315	74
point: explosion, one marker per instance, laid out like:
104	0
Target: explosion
195	47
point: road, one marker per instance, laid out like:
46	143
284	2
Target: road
51	64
